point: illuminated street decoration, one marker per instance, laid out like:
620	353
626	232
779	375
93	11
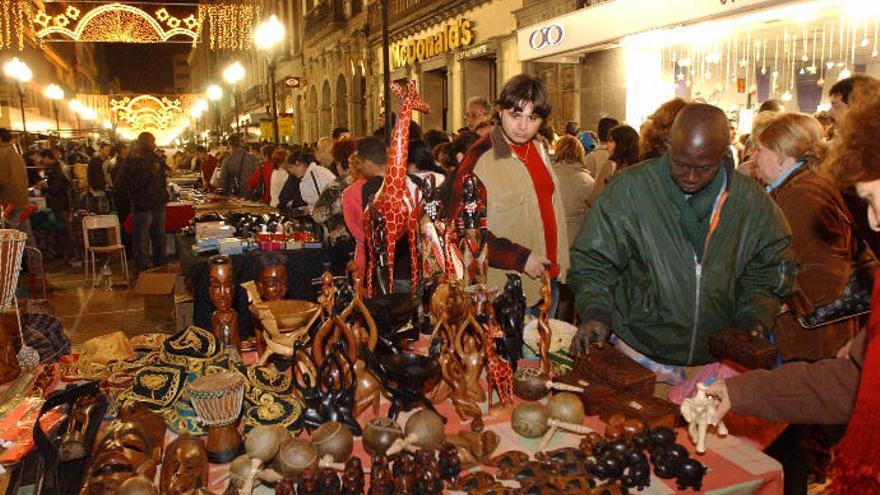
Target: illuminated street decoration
222	26
147	112
230	26
114	23
14	17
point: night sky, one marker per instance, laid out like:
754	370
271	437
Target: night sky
142	68
145	68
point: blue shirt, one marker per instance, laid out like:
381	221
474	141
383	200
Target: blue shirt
778	182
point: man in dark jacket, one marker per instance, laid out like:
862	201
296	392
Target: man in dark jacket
236	169
142	178
98	180
678	248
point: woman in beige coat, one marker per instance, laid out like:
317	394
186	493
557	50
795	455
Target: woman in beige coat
575	183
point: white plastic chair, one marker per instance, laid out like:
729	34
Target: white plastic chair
114	243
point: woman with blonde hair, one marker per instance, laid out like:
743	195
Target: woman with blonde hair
575	183
787	149
845	390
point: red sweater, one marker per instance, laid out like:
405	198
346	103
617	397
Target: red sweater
263	173
544	187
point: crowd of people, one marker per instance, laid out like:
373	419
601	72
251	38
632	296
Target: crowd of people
659	237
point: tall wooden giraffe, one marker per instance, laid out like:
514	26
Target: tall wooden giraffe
393	212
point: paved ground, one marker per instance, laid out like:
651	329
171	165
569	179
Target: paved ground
88	312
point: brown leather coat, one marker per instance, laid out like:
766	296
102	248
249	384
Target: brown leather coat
823	244
823	392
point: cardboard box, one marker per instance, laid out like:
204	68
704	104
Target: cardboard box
183	311
159	286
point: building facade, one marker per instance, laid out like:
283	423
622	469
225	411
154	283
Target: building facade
335	58
599	59
71	66
453	49
181	73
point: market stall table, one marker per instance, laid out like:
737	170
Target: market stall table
734	466
177	216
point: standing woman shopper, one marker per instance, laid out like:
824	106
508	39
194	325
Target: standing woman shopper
623	151
575	183
261	179
278	177
788	147
844	390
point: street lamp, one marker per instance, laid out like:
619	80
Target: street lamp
267	36
233	74
196	111
214	94
19	71
55	93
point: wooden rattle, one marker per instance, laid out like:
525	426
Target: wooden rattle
533	420
424	430
260	445
379	434
333	440
531	383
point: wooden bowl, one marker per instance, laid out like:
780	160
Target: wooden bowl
290	314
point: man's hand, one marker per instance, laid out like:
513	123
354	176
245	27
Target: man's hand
536	265
751	326
843	353
580	344
718	391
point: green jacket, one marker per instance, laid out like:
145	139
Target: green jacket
633	262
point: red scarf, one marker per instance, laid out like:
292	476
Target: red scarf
856	465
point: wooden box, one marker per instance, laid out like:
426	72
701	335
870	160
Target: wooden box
595	391
651	410
742	348
612	367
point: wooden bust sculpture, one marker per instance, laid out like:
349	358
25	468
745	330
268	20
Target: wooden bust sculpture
224	321
272	286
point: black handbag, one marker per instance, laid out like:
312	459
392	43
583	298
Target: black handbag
855	300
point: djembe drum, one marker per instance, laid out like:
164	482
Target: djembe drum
12	244
217	399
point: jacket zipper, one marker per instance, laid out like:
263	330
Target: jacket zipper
698	271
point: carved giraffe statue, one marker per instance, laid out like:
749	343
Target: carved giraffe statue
394	210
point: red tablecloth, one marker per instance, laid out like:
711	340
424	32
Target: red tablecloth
177	216
735	466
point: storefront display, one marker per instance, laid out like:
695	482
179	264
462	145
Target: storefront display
735	55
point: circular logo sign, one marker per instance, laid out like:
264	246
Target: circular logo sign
546	36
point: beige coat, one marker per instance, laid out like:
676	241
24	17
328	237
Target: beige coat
513	211
597	160
575	185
